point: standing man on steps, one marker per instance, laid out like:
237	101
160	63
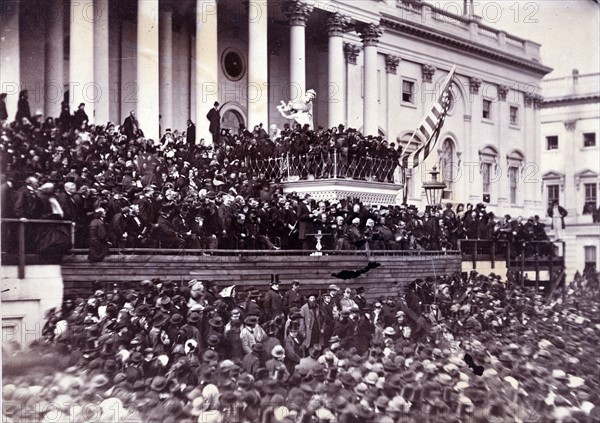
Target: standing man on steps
214	117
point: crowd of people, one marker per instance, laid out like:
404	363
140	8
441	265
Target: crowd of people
125	191
451	349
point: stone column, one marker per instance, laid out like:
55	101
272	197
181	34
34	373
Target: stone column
370	35
258	63
336	88
148	68
166	68
101	62
10	59
81	56
54	59
297	13
207	65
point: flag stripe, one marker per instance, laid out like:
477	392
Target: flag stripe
430	127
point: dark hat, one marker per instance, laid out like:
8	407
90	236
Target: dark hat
257	347
360	290
210	355
216	322
158	383
245	381
212	340
160	319
176	319
193	317
251	320
136	357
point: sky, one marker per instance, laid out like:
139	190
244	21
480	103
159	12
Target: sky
569	30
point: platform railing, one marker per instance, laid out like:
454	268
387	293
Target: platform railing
21	248
324	165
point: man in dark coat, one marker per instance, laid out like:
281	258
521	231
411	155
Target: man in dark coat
98	237
293	297
273	301
3	111
214	117
80	116
23	107
131	126
190	133
304	222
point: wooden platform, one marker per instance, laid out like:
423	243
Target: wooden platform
314	273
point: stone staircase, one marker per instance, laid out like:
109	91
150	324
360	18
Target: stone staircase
314	273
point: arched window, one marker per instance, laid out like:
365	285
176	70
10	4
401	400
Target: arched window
447	166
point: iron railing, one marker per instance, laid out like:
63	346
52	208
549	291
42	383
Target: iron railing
324	165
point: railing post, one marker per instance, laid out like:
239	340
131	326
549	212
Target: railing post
474	255
72	235
287	162
523	265
493	254
335	163
551	268
537	269
21	252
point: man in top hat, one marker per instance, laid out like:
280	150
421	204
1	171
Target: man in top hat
273	300
293	345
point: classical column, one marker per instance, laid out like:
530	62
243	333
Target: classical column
336	87
207	65
101	62
166	68
54	58
10	59
297	13
370	35
148	68
81	54
258	63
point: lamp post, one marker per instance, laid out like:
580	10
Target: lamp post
434	189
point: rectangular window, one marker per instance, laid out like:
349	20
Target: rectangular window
589	252
552	194
514	115
487	109
591	193
513	174
486	169
408	92
552	142
589	139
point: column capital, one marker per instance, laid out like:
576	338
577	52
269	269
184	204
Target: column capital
503	92
351	52
474	84
370	34
538	99
427	72
297	12
336	24
391	63
529	99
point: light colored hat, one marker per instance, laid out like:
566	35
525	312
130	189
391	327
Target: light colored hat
278	351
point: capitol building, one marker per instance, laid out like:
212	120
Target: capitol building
374	64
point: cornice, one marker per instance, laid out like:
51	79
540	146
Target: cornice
570	100
462	44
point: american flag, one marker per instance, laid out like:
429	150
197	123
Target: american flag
430	126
